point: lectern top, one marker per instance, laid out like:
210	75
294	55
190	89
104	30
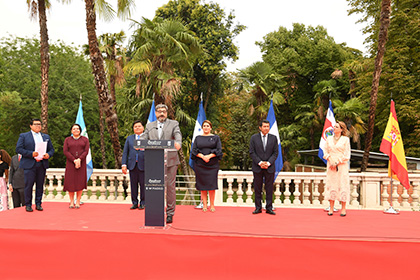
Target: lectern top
154	144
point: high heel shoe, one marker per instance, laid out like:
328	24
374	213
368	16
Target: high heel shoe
213	210
204	209
330	214
71	206
343	215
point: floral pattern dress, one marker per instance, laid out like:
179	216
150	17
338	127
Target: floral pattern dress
337	183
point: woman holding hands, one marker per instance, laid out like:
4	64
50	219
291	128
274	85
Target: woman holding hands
337	184
75	148
206	153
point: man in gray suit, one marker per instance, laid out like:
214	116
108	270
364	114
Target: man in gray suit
17	182
166	129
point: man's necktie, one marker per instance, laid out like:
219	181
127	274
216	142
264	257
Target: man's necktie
264	138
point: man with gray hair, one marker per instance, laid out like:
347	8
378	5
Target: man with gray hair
165	129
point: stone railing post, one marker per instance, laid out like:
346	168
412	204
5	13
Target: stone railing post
370	188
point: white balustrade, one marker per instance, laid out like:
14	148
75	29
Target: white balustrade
367	190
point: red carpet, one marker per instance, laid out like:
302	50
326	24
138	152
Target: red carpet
107	241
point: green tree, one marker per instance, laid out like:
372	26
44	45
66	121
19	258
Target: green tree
70	77
216	31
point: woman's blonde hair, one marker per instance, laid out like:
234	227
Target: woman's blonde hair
344	130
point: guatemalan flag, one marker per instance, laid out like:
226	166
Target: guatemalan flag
271	117
327	131
80	121
198	130
152	114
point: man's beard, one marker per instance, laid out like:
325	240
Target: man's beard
161	119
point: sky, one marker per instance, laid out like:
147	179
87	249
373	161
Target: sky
66	22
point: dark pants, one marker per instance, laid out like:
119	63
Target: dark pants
268	179
34	175
136	178
18	196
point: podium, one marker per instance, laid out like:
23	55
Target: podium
154	179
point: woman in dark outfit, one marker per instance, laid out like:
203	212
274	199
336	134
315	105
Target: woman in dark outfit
206	153
75	148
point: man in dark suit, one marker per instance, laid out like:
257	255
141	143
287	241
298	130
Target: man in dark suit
17	182
164	128
133	160
263	150
34	164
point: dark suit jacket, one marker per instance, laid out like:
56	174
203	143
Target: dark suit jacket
129	154
16	174
170	131
26	146
257	153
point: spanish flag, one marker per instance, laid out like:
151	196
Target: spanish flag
392	145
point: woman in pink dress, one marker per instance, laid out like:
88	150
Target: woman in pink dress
337	154
75	148
5	160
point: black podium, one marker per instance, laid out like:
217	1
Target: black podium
154	179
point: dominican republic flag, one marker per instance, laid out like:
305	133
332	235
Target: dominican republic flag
152	114
80	121
271	117
198	130
327	131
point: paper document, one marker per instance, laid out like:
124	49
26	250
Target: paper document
41	148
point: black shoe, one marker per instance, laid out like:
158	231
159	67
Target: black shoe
141	207
271	212
330	214
342	215
39	208
256	211
169	219
134	206
29	209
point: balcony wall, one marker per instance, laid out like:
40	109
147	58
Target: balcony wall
292	189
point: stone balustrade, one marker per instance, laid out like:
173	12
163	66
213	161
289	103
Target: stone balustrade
292	189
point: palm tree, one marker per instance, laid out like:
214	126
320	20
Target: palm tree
351	113
262	80
39	7
161	49
98	68
383	38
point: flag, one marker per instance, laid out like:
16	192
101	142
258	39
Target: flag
80	121
152	114
198	130
327	131
271	117
392	145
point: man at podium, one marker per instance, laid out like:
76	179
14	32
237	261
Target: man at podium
166	129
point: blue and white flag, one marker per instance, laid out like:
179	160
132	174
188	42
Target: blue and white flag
271	117
152	114
327	131
80	121
198	130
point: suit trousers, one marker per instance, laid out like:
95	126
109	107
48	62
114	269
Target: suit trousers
170	177
34	175
136	179
268	179
18	196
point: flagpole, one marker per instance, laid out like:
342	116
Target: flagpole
391	209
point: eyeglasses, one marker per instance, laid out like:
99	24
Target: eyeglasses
161	111
36	124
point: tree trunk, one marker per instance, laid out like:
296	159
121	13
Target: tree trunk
45	64
383	38
101	133
101	84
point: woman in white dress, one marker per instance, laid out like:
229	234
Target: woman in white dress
337	184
